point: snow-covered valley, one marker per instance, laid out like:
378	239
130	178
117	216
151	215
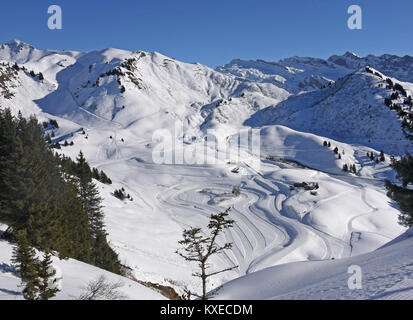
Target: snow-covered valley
282	231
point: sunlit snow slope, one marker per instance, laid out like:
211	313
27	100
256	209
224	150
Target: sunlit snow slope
386	274
120	98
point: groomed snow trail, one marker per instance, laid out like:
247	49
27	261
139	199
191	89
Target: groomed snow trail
265	233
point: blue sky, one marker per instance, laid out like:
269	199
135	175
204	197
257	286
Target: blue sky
214	32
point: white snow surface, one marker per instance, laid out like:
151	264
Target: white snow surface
75	277
386	274
275	225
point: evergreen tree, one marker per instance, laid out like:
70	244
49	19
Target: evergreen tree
120	194
104	178
382	157
46	273
96	174
25	261
89	195
54	123
103	255
402	194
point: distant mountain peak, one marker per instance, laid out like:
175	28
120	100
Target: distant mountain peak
18	43
350	54
14	42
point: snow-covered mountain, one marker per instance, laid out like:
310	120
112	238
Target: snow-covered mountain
391	65
352	109
120	98
305	73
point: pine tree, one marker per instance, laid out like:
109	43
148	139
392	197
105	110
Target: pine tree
96	174
89	195
403	195
382	157
46	273
25	261
104	178
103	255
120	194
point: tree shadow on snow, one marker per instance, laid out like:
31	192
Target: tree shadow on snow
6	291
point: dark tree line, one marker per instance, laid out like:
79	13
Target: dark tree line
402	194
50	198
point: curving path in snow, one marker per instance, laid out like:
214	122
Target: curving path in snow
264	233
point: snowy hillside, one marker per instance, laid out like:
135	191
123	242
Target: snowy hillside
120	98
352	110
75	276
386	274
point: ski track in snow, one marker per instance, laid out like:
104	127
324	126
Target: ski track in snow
262	235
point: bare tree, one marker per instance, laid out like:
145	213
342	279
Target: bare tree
102	289
197	248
